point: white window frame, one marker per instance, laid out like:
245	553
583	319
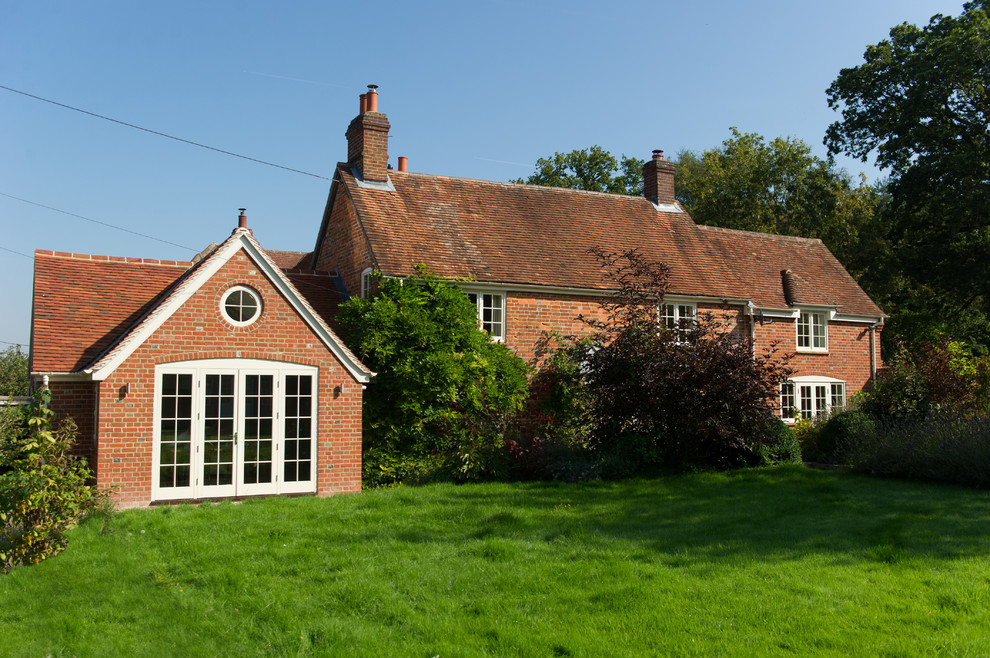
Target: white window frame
811	397
815	322
496	328
681	315
366	282
250	291
241	368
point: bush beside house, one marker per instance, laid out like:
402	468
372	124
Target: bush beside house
43	486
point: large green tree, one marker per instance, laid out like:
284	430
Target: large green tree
593	169
779	187
920	104
443	388
14	378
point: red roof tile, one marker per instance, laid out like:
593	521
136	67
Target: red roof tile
290	260
83	303
525	234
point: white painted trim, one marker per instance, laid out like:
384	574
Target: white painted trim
259	301
812	311
813	379
581	292
240	368
479	308
63	376
241	239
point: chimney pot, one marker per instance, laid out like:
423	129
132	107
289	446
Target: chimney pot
242	219
367	139
364	104
403	163
657	154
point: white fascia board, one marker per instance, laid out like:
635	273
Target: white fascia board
63	376
241	239
866	319
817	379
583	292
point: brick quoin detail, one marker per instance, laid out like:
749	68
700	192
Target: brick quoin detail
197	330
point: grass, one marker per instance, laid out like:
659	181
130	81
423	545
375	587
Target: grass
760	562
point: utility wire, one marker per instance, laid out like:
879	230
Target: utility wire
7	342
95	221
19	253
161	134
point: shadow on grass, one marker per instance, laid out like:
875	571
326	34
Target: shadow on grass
779	513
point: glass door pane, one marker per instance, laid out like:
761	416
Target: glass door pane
298	456
174	454
257	467
218	431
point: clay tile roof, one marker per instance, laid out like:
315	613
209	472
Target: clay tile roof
83	303
509	233
524	234
781	271
319	289
290	260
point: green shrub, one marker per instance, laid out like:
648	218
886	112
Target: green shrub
437	407
927	377
945	447
782	449
43	488
836	433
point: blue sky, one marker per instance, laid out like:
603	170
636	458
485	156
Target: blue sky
479	90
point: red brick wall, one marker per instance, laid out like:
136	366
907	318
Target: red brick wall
198	331
344	246
528	315
77	400
847	358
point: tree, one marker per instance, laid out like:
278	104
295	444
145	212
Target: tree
14	379
779	187
593	169
443	388
920	102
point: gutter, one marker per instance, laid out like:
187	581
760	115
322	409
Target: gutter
750	308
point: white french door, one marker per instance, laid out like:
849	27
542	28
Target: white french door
234	428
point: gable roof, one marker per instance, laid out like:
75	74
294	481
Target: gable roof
96	344
507	233
82	303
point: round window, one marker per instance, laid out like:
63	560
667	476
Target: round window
241	306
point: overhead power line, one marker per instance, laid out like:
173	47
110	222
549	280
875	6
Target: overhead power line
7	342
161	134
19	253
95	221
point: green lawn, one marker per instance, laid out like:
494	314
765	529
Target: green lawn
775	561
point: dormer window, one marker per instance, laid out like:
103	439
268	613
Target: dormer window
812	331
240	306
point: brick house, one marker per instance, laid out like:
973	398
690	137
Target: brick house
524	250
193	380
222	377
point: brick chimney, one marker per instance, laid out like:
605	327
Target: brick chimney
658	179
367	139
